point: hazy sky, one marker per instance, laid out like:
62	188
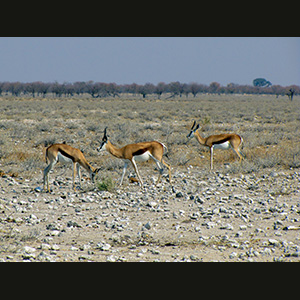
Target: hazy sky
151	59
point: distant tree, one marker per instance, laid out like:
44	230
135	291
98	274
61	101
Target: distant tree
30	88
68	89
214	87
203	88
261	82
16	88
95	89
43	88
277	90
112	89
80	87
231	88
131	88
194	88
160	88
185	89
5	87
175	88
146	89
57	89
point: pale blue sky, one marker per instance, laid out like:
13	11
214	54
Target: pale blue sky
151	59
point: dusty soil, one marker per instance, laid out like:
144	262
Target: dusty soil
198	217
235	213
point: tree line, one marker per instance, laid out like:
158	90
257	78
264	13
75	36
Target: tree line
172	89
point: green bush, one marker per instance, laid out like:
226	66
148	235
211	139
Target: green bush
106	184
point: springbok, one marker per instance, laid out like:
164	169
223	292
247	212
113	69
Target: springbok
137	152
220	141
66	154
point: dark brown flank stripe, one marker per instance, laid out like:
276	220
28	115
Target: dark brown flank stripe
221	141
139	152
66	154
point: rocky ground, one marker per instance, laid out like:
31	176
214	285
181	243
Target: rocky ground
200	216
247	212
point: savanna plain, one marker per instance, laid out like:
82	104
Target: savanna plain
248	211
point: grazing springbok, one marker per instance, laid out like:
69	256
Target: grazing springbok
137	152
64	153
219	141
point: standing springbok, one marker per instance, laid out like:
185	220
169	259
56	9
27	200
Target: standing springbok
220	141
66	154
137	152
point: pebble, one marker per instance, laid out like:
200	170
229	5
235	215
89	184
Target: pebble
111	258
38	189
179	195
45	247
291	227
274	242
227	227
209	225
28	253
195	215
152	204
147	226
28	249
55	247
105	247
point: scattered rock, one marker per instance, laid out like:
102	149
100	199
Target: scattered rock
152	204
38	189
227	227
179	195
274	242
291	227
195	215
111	258
147	226
29	250
73	224
220	217
104	247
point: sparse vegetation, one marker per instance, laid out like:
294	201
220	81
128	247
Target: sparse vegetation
106	184
230	214
269	126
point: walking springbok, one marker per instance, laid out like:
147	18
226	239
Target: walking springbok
137	152
221	141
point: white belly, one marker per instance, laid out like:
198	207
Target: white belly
143	157
63	159
223	146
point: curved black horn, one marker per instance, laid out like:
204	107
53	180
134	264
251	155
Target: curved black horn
194	123
105	135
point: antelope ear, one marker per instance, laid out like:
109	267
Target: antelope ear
197	127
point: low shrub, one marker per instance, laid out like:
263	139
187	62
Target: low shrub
106	184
